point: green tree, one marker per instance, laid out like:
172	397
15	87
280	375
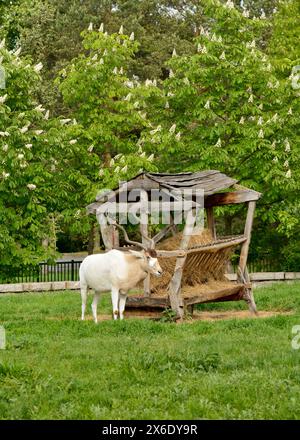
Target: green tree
111	111
225	109
26	164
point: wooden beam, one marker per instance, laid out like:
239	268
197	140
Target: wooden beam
230	198
242	269
163	232
175	283
247	234
211	248
211	221
107	232
210	296
170	254
144	231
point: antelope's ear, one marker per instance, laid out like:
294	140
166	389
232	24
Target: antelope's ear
137	254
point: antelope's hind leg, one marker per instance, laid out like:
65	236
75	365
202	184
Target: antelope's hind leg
94	306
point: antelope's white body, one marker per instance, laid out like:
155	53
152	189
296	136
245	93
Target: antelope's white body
114	271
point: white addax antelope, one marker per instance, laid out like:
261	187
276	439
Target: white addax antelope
117	271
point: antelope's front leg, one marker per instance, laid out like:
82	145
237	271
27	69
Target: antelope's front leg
115	302
122	302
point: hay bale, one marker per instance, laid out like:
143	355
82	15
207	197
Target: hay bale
199	268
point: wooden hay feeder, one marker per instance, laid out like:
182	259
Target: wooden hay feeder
197	272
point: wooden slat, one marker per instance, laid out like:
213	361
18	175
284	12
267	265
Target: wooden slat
211	222
210	296
216	246
231	198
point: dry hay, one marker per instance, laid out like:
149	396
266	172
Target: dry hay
199	268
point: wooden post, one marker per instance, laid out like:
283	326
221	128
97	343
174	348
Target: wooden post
211	221
109	233
144	230
247	234
175	284
242	269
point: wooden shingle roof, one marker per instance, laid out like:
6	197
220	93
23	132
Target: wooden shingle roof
211	181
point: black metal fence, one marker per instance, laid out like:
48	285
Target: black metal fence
69	271
60	271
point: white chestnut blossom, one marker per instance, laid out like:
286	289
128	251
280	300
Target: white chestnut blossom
178	136
263	15
260	121
111	163
218	143
24	129
288	174
90	149
73	141
39	108
3	99
20	156
207	105
172	129
250	98
261	134
38	67
47	114
4	133
286	164
151	157
31	186
90	28
5	148
156	130
287	145
229	4
5	175
171	74
28	146
223	56
290	112
124	169
242	120
121	30
131	38
246	13
38	132
275	160
101	28
128	97
65	121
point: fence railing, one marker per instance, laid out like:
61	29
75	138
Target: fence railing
60	271
69	271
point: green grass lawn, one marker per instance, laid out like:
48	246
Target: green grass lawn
56	366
